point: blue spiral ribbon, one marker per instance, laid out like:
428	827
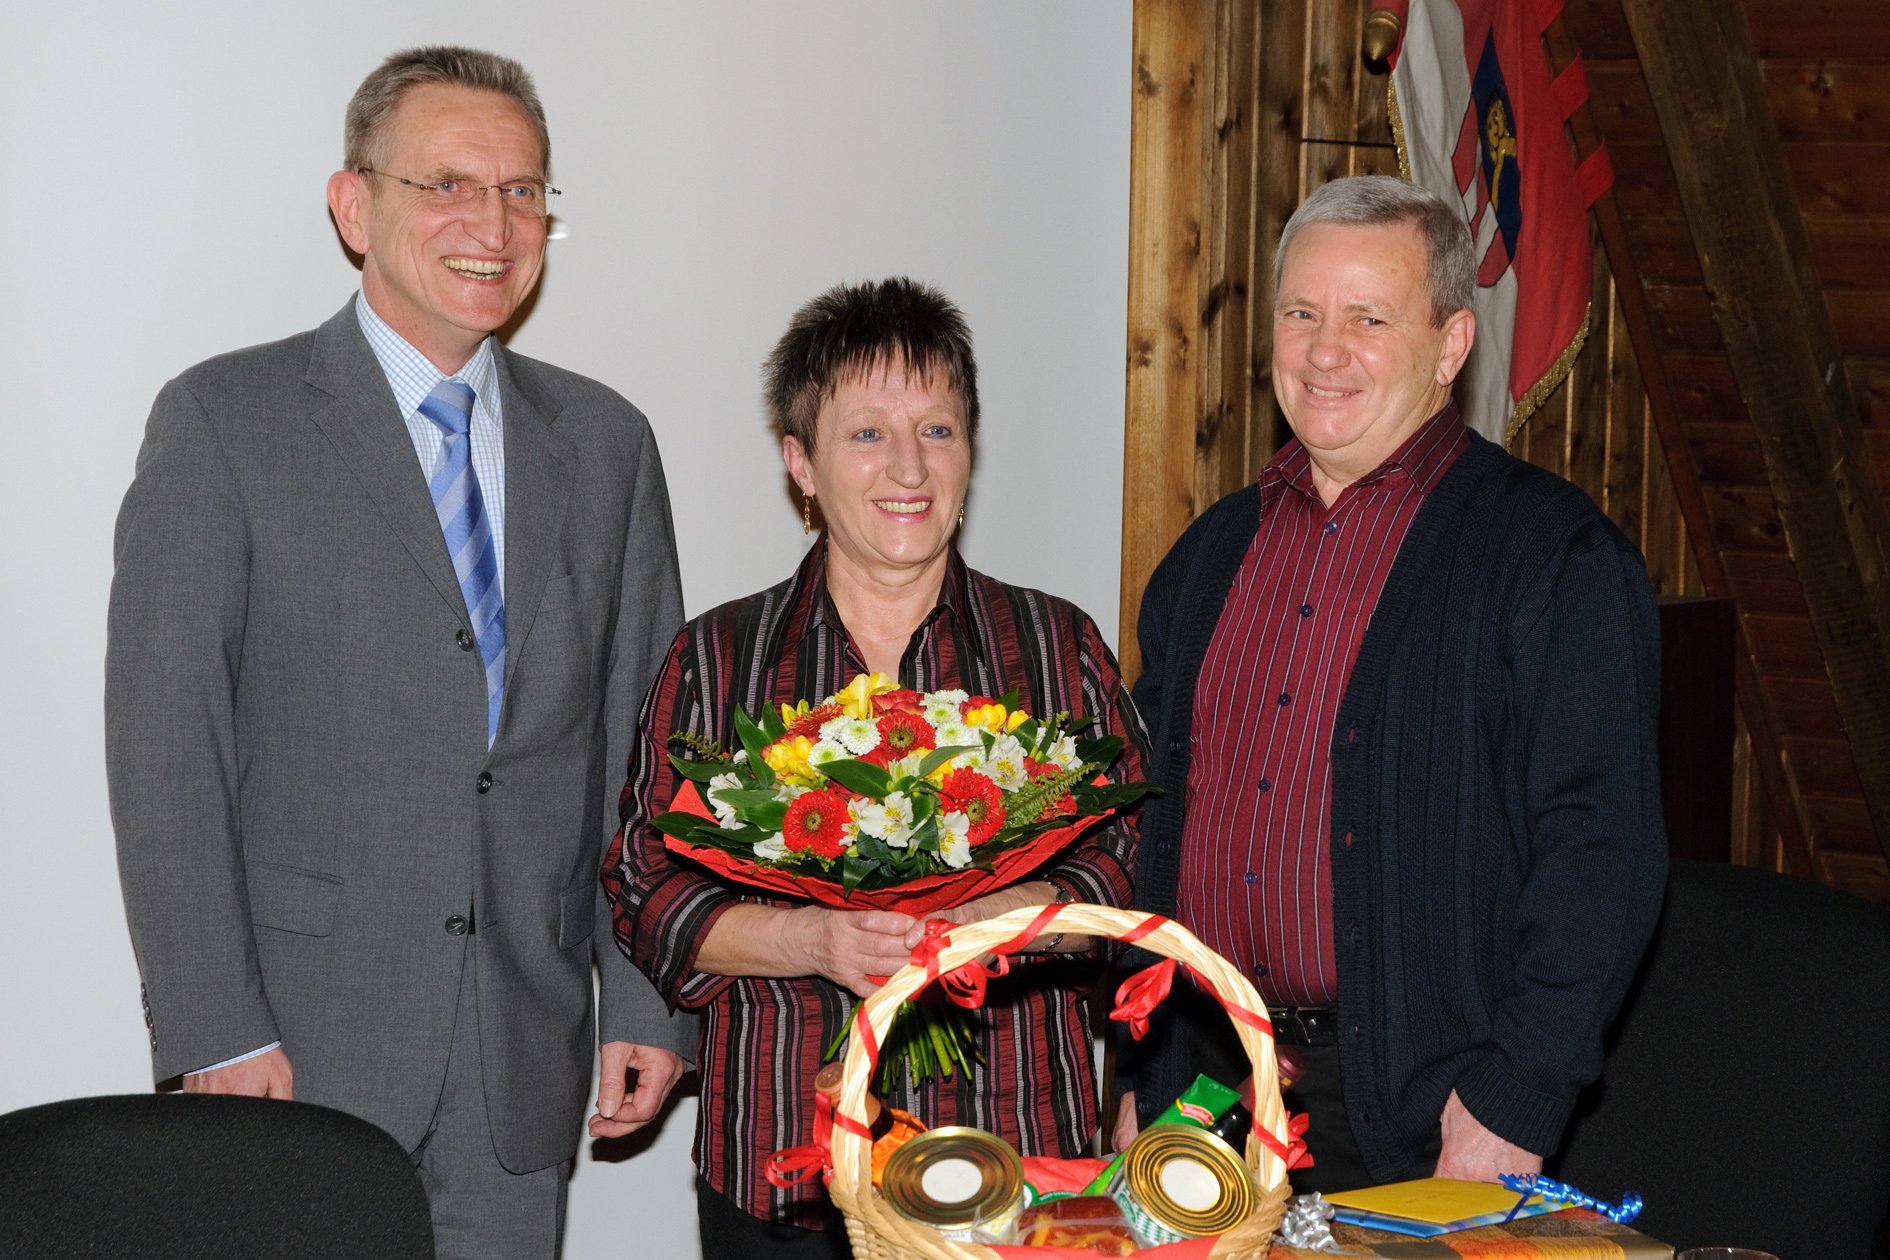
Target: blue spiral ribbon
1568	1196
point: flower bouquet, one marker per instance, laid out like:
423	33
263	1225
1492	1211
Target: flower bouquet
883	798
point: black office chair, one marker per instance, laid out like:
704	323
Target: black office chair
202	1177
1746	1095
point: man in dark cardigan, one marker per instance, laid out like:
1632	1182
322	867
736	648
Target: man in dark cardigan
1403	694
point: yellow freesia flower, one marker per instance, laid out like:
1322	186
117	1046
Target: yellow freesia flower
995	718
788	759
792	713
856	698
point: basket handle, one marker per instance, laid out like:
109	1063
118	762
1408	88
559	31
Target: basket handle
953	945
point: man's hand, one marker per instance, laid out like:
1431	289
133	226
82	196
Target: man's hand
1473	1153
657	1073
1126	1124
268	1075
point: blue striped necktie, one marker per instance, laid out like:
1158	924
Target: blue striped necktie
469	541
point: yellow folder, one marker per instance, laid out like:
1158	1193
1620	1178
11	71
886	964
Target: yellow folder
1432	1205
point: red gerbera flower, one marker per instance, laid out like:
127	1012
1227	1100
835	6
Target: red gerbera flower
903	732
816	820
904	700
977	798
815	718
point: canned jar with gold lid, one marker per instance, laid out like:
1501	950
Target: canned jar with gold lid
1181	1182
965	1183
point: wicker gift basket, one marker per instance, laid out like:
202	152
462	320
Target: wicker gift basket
879	1233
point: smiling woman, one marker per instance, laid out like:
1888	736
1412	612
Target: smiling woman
874	392
890	471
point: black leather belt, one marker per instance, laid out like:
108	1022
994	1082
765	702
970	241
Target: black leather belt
1305	1025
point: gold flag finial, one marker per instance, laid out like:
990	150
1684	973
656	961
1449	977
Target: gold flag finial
1380	40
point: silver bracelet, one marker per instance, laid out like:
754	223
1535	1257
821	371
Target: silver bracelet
1063	898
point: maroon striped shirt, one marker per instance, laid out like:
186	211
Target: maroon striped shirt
762	1039
1256	878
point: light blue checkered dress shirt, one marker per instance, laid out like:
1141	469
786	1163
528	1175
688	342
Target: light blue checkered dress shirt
412	377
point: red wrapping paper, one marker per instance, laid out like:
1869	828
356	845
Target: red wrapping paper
919	897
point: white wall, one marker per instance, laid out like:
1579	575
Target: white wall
723	161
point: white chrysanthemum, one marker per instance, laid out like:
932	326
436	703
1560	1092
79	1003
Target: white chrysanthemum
890	820
941	707
954	839
1062	753
826	751
724	814
770	850
1005	763
858	736
955	732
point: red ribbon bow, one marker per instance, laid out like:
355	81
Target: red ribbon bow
792	1165
964	984
1294	1152
1140	994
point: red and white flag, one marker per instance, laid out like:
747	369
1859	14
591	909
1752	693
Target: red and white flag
1478	119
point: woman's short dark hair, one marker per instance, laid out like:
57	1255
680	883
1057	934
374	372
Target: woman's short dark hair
853	329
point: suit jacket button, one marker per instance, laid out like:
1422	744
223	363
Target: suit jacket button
483	783
464	640
456	925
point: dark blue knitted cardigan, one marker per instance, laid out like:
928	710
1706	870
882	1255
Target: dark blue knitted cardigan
1498	854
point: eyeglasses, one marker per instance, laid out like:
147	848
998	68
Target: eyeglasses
529	198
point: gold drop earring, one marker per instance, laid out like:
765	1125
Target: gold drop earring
961	516
807	514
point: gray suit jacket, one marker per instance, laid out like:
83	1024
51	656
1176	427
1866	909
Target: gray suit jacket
296	740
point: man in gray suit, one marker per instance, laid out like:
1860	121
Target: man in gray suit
387	598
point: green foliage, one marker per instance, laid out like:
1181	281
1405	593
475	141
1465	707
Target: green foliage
754	739
859	776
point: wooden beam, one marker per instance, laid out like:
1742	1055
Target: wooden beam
1230	388
1703	76
1164	252
1192	387
1762	730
